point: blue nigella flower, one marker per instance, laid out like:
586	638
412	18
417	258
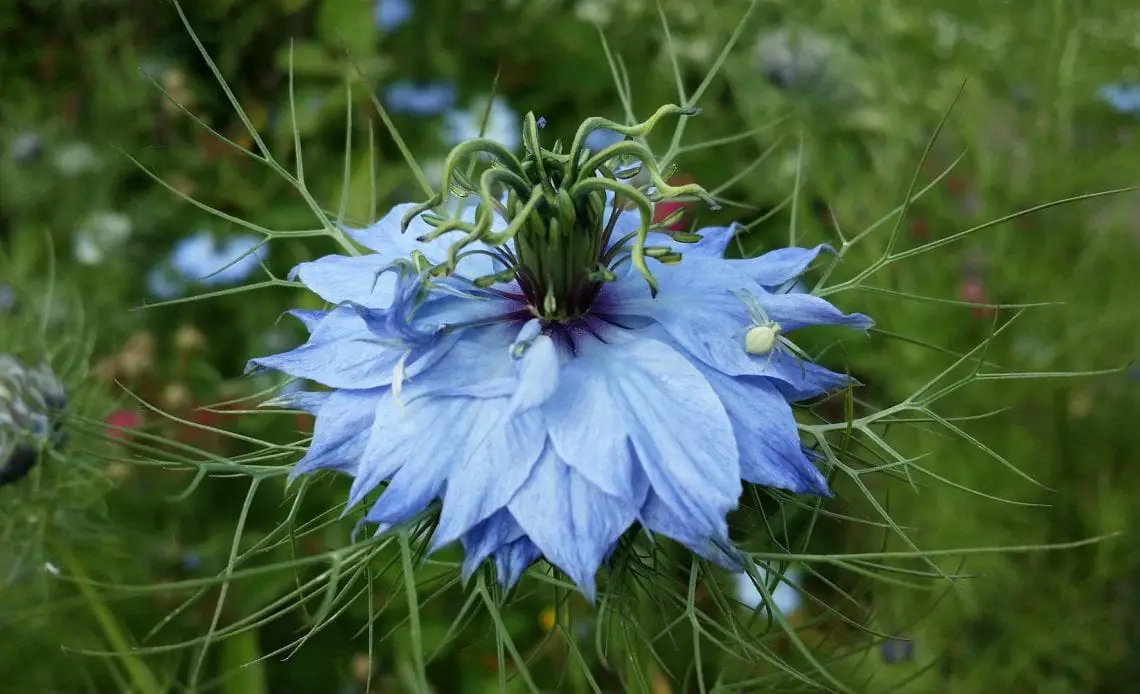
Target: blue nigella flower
390	14
537	377
419	99
502	124
200	260
1124	98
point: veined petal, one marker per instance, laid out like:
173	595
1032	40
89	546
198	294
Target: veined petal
342	353
341	278
572	522
701	314
537	366
658	517
663	405
797	379
486	474
385	239
766	434
309	318
593	439
490	535
714	242
512	560
796	310
781	265
309	401
340	433
419	458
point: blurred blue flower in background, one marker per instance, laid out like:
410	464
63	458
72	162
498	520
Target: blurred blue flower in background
601	138
786	596
1124	98
8	298
419	99
101	234
503	124
199	260
390	14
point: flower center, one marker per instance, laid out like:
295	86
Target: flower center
561	211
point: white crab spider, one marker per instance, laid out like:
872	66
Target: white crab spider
764	337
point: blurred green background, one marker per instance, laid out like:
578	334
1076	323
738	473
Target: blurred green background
1045	114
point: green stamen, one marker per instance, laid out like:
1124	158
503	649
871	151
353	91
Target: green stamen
556	243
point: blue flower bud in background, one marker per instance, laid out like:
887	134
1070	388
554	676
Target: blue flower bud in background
31	402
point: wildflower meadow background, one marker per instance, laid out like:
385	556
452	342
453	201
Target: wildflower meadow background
153	547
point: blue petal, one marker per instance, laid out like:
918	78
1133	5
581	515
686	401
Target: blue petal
386	240
697	308
423	457
766	434
512	561
663	405
341	353
572	522
492	534
491	468
800	380
340	278
304	400
536	362
782	265
795	310
309	318
714	241
658	517
340	433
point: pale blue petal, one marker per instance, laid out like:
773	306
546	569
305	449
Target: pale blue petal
492	534
341	353
796	310
766	434
309	318
424	457
303	400
714	241
491	468
513	560
340	278
572	522
781	265
797	379
340	432
657	517
386	240
701	314
593	439
678	428
697	309
536	364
